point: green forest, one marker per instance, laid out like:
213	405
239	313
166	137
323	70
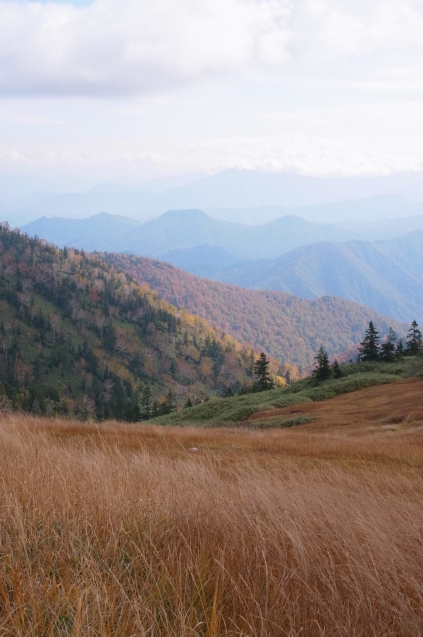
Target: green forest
78	337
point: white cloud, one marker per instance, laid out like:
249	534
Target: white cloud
133	46
304	154
380	34
142	46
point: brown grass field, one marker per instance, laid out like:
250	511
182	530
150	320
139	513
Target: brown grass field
126	531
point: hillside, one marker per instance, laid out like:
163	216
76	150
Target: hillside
383	275
79	337
285	326
275	409
181	230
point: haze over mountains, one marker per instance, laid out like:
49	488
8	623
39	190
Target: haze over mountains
231	194
288	254
307	236
384	275
182	229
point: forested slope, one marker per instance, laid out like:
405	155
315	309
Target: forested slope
383	275
289	328
79	337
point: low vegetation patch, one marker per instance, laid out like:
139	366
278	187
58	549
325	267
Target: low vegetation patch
240	408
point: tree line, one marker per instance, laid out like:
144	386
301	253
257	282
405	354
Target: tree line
372	350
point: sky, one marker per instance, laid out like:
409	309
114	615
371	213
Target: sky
128	90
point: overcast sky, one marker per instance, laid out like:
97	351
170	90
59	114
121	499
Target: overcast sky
131	89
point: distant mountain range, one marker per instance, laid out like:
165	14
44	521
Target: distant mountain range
100	232
243	196
182	229
383	275
289	254
286	327
372	217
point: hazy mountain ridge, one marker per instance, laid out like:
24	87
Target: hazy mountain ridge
361	215
285	326
382	275
234	190
183	229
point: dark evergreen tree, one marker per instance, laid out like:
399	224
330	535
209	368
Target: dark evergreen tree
336	369
146	402
188	403
369	350
229	392
171	402
155	411
400	349
261	370
388	348
414	340
322	370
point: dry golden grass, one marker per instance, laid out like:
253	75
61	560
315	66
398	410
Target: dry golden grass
123	531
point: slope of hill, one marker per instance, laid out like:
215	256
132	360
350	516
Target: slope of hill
384	275
204	260
274	409
79	337
182	230
289	328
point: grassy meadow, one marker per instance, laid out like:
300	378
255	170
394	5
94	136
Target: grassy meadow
129	530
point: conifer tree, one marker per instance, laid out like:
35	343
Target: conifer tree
156	409
322	370
414	340
369	350
171	402
146	402
388	348
336	369
400	349
261	370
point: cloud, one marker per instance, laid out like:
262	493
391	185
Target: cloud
306	154
381	34
118	47
134	46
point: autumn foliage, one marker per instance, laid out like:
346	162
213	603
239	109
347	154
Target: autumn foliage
284	326
80	337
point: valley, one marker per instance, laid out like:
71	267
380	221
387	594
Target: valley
287	327
382	275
